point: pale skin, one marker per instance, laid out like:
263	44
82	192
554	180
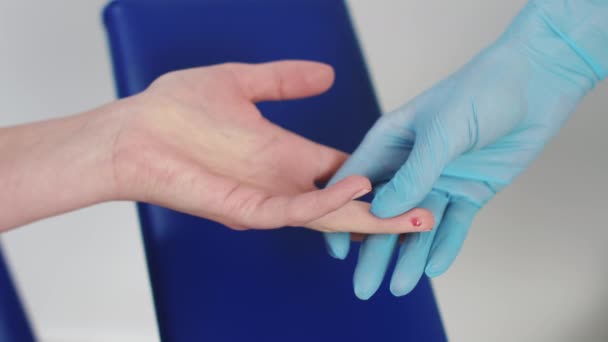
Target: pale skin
193	142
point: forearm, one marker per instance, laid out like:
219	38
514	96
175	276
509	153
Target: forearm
55	166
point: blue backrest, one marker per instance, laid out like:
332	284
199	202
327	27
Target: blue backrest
214	284
14	326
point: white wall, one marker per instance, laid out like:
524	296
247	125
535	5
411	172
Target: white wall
532	269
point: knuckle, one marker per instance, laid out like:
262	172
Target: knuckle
295	217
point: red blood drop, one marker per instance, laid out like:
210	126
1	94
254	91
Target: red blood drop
416	222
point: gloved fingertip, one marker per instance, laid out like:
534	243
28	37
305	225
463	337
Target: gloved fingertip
388	203
434	270
338	253
401	288
331	253
440	261
338	245
363	292
406	276
378	210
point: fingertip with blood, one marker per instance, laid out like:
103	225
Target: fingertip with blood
421	219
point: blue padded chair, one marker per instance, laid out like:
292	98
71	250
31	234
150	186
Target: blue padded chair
214	284
14	326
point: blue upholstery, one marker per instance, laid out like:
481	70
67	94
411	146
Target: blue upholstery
214	284
14	326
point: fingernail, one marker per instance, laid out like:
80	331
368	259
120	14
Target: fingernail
361	193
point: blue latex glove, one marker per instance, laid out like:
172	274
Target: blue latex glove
452	148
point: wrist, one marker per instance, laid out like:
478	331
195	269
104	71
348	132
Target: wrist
560	38
55	166
583	25
101	129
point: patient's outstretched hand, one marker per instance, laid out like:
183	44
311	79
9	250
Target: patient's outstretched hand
194	141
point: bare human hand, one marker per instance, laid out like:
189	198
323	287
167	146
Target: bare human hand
195	142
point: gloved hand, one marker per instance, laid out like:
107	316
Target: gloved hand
452	148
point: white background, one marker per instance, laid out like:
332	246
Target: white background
533	268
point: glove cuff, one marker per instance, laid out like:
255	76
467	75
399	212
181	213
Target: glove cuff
583	25
568	37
